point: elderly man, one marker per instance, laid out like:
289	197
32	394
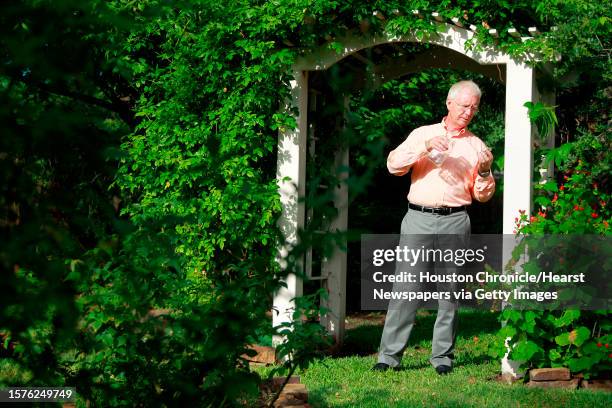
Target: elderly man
450	167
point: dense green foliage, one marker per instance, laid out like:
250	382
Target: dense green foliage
137	169
578	203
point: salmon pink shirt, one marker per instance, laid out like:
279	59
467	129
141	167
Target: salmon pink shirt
455	182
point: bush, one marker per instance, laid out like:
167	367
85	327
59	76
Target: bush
578	204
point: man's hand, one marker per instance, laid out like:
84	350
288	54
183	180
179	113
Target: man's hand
485	159
440	143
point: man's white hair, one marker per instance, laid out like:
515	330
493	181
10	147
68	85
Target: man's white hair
460	86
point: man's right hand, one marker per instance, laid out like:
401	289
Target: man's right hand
440	143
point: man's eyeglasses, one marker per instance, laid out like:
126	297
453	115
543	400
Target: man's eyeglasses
467	107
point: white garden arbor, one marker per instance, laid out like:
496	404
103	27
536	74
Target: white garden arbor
292	144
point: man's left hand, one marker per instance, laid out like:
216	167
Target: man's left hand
485	159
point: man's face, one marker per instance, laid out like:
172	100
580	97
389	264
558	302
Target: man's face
462	109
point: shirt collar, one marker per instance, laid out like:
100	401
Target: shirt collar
455	133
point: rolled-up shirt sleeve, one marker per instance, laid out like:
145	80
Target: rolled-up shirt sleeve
407	154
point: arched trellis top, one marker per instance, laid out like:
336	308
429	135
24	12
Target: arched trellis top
447	35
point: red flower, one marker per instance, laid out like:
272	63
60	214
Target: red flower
605	223
606	345
562	188
576	208
555	198
533	219
599	344
516	219
594	215
565	178
595	186
541	214
610	355
522	212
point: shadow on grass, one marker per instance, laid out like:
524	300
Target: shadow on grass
364	339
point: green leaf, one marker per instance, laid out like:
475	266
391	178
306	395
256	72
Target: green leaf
529	324
507	331
560	154
524	350
562	339
550	186
580	335
554	354
577	365
567	318
542	201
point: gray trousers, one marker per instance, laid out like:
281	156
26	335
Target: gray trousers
401	313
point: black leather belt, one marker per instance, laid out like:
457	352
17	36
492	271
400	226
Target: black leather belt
436	210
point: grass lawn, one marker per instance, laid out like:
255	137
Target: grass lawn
347	381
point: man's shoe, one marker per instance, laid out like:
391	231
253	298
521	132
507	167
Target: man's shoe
443	369
384	367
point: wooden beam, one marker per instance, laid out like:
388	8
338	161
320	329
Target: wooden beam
437	17
364	25
533	31
456	21
379	15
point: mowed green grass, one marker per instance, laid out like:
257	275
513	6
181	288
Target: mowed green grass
347	380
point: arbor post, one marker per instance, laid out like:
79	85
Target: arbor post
335	267
518	164
291	178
